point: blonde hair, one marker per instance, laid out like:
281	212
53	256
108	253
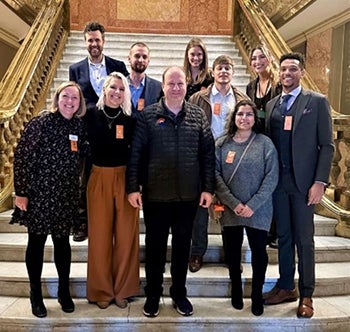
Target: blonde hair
82	107
126	105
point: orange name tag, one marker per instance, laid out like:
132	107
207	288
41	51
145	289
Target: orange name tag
217	108
74	146
119	132
73	143
140	104
288	120
230	157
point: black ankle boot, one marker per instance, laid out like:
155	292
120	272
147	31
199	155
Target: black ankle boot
257	299
237	298
38	307
257	308
65	300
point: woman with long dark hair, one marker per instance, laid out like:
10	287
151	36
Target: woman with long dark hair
246	176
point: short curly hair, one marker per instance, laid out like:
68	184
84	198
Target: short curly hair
94	26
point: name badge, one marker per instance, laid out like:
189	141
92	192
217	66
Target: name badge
119	132
217	108
288	120
73	142
141	104
230	157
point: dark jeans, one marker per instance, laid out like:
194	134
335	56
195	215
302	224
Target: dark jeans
159	218
200	232
233	252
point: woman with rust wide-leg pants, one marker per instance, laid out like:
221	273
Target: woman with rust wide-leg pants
113	268
113	254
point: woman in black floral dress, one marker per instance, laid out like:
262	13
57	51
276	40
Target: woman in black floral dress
46	178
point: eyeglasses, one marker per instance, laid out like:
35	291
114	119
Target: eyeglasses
242	114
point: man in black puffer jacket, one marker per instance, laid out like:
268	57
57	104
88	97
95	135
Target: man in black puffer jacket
172	160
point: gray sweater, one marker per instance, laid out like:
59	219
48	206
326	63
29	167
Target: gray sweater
253	184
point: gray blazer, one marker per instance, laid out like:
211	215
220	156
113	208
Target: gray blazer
312	138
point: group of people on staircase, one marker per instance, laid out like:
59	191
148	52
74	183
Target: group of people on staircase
115	142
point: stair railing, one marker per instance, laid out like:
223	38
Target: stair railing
252	27
25	85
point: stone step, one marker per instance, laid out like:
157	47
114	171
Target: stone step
152	38
214	314
327	249
324	226
78	48
332	279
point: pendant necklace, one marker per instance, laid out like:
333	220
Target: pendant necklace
110	119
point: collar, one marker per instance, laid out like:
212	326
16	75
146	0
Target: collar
294	92
101	64
215	91
141	83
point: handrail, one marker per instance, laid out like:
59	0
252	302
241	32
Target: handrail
25	10
15	82
25	85
253	27
268	35
333	207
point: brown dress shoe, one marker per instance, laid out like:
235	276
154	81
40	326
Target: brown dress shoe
305	309
195	263
283	295
271	292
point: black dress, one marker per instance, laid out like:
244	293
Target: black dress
192	88
46	170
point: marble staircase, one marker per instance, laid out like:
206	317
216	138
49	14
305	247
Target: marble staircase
208	289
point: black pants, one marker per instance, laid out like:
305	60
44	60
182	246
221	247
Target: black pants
295	229
233	240
159	218
85	169
35	260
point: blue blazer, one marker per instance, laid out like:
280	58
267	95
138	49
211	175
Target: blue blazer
312	138
151	93
79	73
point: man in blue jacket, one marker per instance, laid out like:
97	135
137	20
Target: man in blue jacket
90	73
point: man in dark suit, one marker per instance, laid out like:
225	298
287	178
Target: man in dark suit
144	89
90	74
300	125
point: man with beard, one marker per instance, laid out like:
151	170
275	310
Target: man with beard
144	89
90	74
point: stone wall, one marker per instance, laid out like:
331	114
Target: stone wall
155	16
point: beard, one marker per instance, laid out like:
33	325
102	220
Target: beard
138	68
95	52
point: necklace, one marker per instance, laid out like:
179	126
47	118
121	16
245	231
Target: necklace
110	119
262	93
